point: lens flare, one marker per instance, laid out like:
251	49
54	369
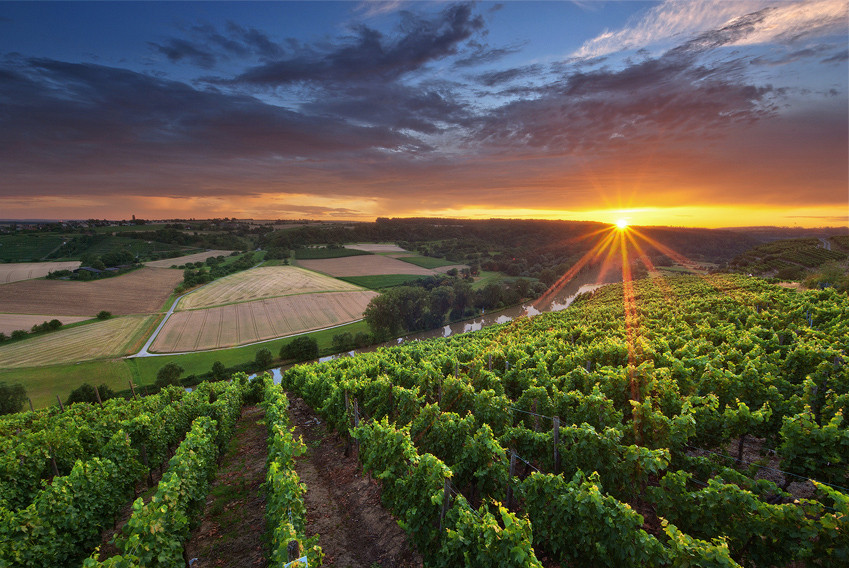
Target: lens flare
622	224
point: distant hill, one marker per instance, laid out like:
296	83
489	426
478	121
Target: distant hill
791	259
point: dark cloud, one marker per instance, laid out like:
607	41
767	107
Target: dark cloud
671	96
483	55
177	50
838	57
65	118
370	55
497	78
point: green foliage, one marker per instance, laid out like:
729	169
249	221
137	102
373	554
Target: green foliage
104	315
301	348
85	393
263	359
12	398
169	374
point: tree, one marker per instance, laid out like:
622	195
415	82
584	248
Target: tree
301	349
85	393
12	398
169	375
263	359
219	371
104	315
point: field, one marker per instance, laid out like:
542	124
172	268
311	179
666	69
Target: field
11	322
98	340
375	248
259	283
44	383
236	324
139	292
315	252
178	260
364	266
23	248
379	281
27	270
427	261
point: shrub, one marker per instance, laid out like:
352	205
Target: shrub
263	359
85	393
12	398
104	315
169	375
300	349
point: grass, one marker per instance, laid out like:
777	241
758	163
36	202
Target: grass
427	261
44	383
378	281
145	368
316	253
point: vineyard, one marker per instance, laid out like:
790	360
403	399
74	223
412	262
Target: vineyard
684	422
666	422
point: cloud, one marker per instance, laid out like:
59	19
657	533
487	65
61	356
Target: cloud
177	50
742	22
501	77
483	55
369	55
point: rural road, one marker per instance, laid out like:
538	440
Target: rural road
144	350
825	244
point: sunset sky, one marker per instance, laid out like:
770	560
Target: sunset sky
722	113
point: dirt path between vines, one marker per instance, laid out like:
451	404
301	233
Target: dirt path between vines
234	517
343	506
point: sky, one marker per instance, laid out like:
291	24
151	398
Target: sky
684	113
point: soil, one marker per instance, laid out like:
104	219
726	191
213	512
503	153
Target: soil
142	291
343	505
233	525
364	266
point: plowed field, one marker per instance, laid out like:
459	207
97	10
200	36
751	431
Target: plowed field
17	271
177	261
262	282
364	266
237	324
11	322
141	291
102	339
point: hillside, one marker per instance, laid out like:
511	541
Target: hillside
791	259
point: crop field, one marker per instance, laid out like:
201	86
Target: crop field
236	324
18	248
375	248
262	282
364	266
102	339
141	291
17	271
178	260
11	322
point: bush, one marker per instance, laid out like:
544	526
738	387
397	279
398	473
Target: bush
19	334
219	371
300	349
169	375
263	359
12	398
104	315
85	393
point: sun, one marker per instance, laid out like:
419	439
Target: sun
621	224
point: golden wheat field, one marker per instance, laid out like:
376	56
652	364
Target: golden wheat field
237	324
259	283
99	340
16	271
370	265
177	261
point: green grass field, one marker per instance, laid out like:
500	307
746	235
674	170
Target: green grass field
44	383
427	261
379	281
27	248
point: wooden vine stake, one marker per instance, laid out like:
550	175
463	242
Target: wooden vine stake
133	389
446	502
489	357
356	424
31	409
97	394
510	479
61	406
556	445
